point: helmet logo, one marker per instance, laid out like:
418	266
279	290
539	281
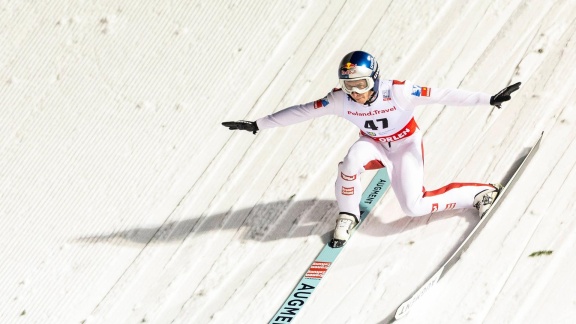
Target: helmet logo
348	68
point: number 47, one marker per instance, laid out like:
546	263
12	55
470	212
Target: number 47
370	123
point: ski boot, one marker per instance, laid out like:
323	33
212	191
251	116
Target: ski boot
484	200
344	226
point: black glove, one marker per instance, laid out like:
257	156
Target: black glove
504	94
242	125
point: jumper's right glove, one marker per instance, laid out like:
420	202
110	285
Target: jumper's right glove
246	125
504	95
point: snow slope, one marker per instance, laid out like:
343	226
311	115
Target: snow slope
123	199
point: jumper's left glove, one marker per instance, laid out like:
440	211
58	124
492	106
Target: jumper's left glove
246	125
504	95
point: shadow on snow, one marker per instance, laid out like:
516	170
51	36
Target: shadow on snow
268	222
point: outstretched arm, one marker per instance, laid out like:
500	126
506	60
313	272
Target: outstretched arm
458	97
295	114
417	95
287	116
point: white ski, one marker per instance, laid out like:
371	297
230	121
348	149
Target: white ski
405	307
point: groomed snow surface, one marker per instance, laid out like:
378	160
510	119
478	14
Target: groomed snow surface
123	199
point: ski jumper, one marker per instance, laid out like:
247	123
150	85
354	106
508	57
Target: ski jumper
389	137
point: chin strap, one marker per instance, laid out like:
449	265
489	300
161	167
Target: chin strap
372	98
375	91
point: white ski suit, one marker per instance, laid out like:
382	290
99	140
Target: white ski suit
389	137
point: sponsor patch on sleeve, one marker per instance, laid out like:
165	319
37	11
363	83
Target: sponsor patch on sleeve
419	91
321	103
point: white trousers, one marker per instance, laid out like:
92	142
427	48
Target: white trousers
404	161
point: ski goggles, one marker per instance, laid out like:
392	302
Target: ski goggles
358	85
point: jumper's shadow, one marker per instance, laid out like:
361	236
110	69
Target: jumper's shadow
264	222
